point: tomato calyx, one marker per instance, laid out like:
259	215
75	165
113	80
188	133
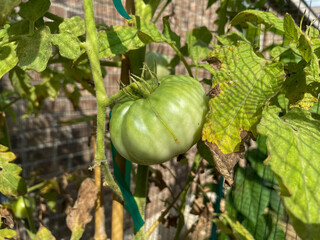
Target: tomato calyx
140	88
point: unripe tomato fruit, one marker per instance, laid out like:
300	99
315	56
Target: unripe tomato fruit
21	205
165	124
157	63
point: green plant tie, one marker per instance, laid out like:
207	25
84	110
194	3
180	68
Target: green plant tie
120	9
130	203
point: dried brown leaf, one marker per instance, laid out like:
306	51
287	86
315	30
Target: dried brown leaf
80	214
225	163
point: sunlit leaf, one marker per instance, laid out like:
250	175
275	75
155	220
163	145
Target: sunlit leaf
74	26
69	45
294	155
290	28
10	181
34	51
8	58
243	83
258	17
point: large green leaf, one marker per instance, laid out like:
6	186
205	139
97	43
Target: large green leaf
198	41
250	196
243	83
258	17
8	58
69	45
10	181
118	40
121	39
34	9
74	25
34	51
293	145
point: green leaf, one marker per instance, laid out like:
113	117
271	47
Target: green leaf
69	45
121	39
258	17
283	102
238	231
147	31
169	34
34	9
302	82
198	41
259	228
305	48
277	233
8	58
118	40
21	82
10	181
5	9
250	196
146	10
294	158
276	204
34	51
7	234
243	83
232	38
290	28
74	26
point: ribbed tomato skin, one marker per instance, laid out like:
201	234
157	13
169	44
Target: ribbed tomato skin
168	122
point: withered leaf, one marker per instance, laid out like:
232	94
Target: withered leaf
80	214
7	217
224	163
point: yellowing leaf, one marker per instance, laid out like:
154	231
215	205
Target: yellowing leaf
8	58
10	181
293	144
243	83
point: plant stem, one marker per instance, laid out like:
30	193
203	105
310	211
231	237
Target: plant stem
101	95
161	10
100	230
182	58
140	196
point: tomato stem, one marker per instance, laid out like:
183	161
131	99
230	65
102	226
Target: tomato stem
91	46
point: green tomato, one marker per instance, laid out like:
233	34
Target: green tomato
157	63
165	124
22	205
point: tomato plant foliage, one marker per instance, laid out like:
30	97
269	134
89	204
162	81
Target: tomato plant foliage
264	90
